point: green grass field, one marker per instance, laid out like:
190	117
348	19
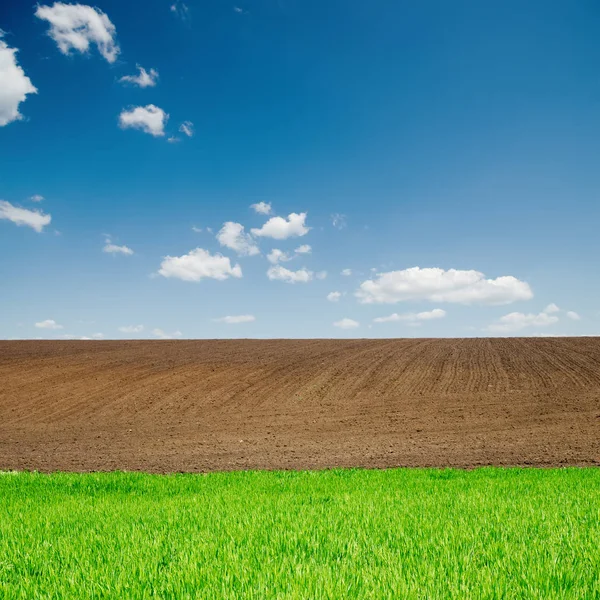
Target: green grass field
488	533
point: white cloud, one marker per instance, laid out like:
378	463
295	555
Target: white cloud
436	313
338	221
36	198
232	236
551	308
71	336
149	119
187	128
262	208
111	248
196	229
573	315
235	319
516	321
143	79
321	275
48	324
131	329
35	219
163	335
173	139
346	272
199	264
279	273
334	296
305	249
347	324
276	256
279	228
76	26
14	85
438	285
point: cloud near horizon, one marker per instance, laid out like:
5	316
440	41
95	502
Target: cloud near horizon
438	285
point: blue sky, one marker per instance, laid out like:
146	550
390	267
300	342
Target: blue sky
445	153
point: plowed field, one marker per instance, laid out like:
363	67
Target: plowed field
166	406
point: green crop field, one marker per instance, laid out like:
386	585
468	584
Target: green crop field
488	533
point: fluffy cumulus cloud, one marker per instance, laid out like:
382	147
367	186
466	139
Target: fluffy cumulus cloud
304	249
428	315
516	321
346	324
279	273
14	85
149	119
111	248
35	219
163	335
78	26
187	128
262	208
48	324
232	236
438	285
142	79
346	272
334	296
36	198
279	228
199	264
571	314
131	329
236	319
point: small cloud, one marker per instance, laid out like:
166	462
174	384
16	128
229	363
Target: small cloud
15	84
262	208
517	321
334	296
36	198
339	221
48	324
77	26
321	275
111	248
232	236
187	128
236	319
143	78
149	119
551	308
131	329
346	272
279	228
163	335
181	10
346	324
305	249
196	229
173	139
35	219
279	273
413	318
277	256
573	315
199	264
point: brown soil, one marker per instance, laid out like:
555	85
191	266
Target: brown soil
218	405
